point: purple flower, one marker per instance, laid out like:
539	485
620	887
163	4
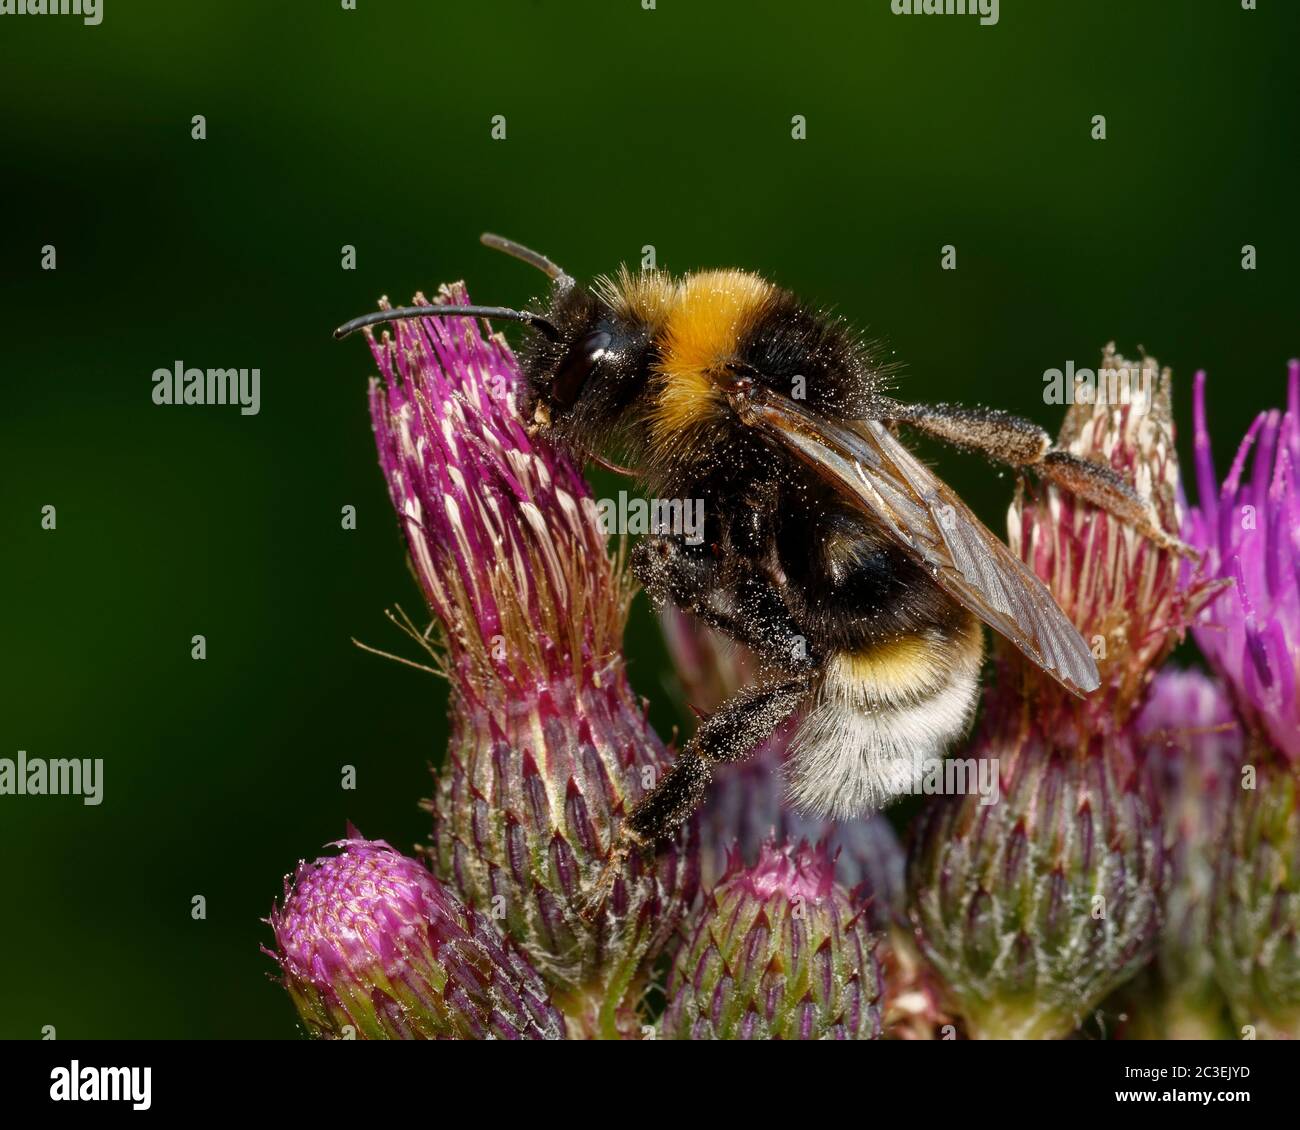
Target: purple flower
502	530
549	745
1249	531
371	946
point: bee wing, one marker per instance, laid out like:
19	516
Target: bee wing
968	561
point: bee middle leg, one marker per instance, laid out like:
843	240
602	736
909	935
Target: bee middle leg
1022	444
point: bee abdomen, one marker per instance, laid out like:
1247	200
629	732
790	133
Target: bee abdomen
880	716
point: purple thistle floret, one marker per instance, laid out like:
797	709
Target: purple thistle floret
502	530
371	946
1249	531
549	745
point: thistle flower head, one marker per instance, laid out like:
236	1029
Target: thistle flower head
1038	906
1255	915
1128	595
549	746
780	951
1249	531
1035	908
502	530
372	946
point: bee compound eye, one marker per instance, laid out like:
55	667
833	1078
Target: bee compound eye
579	363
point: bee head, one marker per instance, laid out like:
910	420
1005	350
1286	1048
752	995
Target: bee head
581	364
581	385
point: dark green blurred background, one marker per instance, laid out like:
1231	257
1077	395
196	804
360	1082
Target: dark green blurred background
625	127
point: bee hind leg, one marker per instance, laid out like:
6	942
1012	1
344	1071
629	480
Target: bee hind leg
749	609
732	733
1022	444
738	727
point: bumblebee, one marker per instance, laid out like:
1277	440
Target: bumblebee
858	578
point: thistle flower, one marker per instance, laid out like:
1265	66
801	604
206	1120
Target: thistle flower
549	746
1036	907
780	951
1130	597
746	806
1194	744
371	946
1249	530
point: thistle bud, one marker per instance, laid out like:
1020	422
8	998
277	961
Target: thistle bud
371	946
1249	530
1193	741
549	746
1036	907
779	951
1255	920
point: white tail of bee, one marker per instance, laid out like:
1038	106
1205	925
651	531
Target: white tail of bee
856	752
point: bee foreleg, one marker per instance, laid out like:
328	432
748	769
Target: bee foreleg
1022	444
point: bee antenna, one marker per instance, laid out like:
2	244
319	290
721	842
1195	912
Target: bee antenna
405	313
553	271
